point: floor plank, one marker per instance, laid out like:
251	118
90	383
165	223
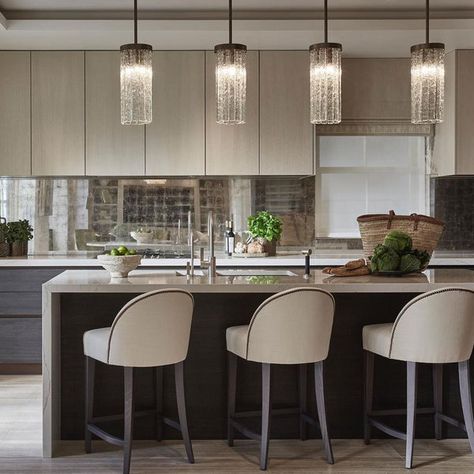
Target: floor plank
20	449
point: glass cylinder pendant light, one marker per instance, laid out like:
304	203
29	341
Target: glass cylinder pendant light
427	79
231	80
325	79
136	79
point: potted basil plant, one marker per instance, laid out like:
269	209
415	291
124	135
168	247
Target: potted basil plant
18	235
267	229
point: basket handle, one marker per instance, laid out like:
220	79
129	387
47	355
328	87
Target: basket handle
416	219
391	215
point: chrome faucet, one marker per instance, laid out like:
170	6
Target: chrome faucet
210	264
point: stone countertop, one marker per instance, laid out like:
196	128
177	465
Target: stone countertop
139	281
320	258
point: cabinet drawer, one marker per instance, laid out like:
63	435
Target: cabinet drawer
20	340
26	279
20	303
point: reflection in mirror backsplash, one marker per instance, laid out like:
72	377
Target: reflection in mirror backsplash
70	215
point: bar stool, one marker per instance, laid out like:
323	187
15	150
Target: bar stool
291	327
151	330
434	328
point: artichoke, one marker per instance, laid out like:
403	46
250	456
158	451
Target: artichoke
398	241
384	259
410	263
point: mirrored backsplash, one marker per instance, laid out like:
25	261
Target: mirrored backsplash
77	215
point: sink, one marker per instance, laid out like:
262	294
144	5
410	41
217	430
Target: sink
197	273
255	272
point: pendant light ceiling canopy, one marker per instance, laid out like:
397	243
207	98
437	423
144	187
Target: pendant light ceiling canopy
231	80
136	78
427	79
325	79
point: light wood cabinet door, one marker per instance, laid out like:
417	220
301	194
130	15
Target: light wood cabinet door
286	133
453	138
375	89
232	149
175	138
15	129
111	148
57	112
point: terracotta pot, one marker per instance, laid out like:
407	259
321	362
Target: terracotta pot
19	249
270	248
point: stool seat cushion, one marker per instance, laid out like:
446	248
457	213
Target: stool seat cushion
96	344
237	338
376	338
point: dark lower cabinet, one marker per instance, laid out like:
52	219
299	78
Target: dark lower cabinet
20	317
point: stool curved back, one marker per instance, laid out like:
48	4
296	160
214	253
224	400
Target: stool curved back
436	327
292	327
152	330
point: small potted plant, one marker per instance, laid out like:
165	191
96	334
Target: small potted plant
4	245
267	229
18	235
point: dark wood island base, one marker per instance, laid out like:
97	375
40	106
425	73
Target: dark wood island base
206	371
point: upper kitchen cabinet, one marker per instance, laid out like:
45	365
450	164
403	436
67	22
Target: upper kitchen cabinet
175	138
57	112
15	138
376	90
232	149
111	148
286	134
454	139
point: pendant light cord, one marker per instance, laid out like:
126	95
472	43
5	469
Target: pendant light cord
325	21
427	21
135	22
230	21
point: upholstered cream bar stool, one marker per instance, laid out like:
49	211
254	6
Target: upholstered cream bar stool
434	328
151	330
291	327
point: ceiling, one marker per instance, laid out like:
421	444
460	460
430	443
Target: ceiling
366	28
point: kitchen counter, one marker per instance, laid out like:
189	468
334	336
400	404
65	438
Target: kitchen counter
78	300
320	258
138	281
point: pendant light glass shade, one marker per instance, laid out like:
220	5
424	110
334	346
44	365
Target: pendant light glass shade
136	79
427	79
231	83
325	83
427	83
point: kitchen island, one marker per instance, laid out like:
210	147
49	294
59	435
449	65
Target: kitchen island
79	300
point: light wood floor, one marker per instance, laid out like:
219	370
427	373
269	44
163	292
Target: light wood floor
20	449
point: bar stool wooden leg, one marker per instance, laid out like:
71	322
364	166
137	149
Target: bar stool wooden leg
303	396
158	376
368	392
89	408
411	412
321	406
466	400
231	394
181	401
266	415
128	418
438	399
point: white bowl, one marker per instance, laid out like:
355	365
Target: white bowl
142	237
119	266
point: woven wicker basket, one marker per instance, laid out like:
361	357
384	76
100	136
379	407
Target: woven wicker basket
425	231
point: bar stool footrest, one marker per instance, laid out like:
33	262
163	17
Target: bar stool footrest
137	414
451	421
172	423
401	411
102	434
387	429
